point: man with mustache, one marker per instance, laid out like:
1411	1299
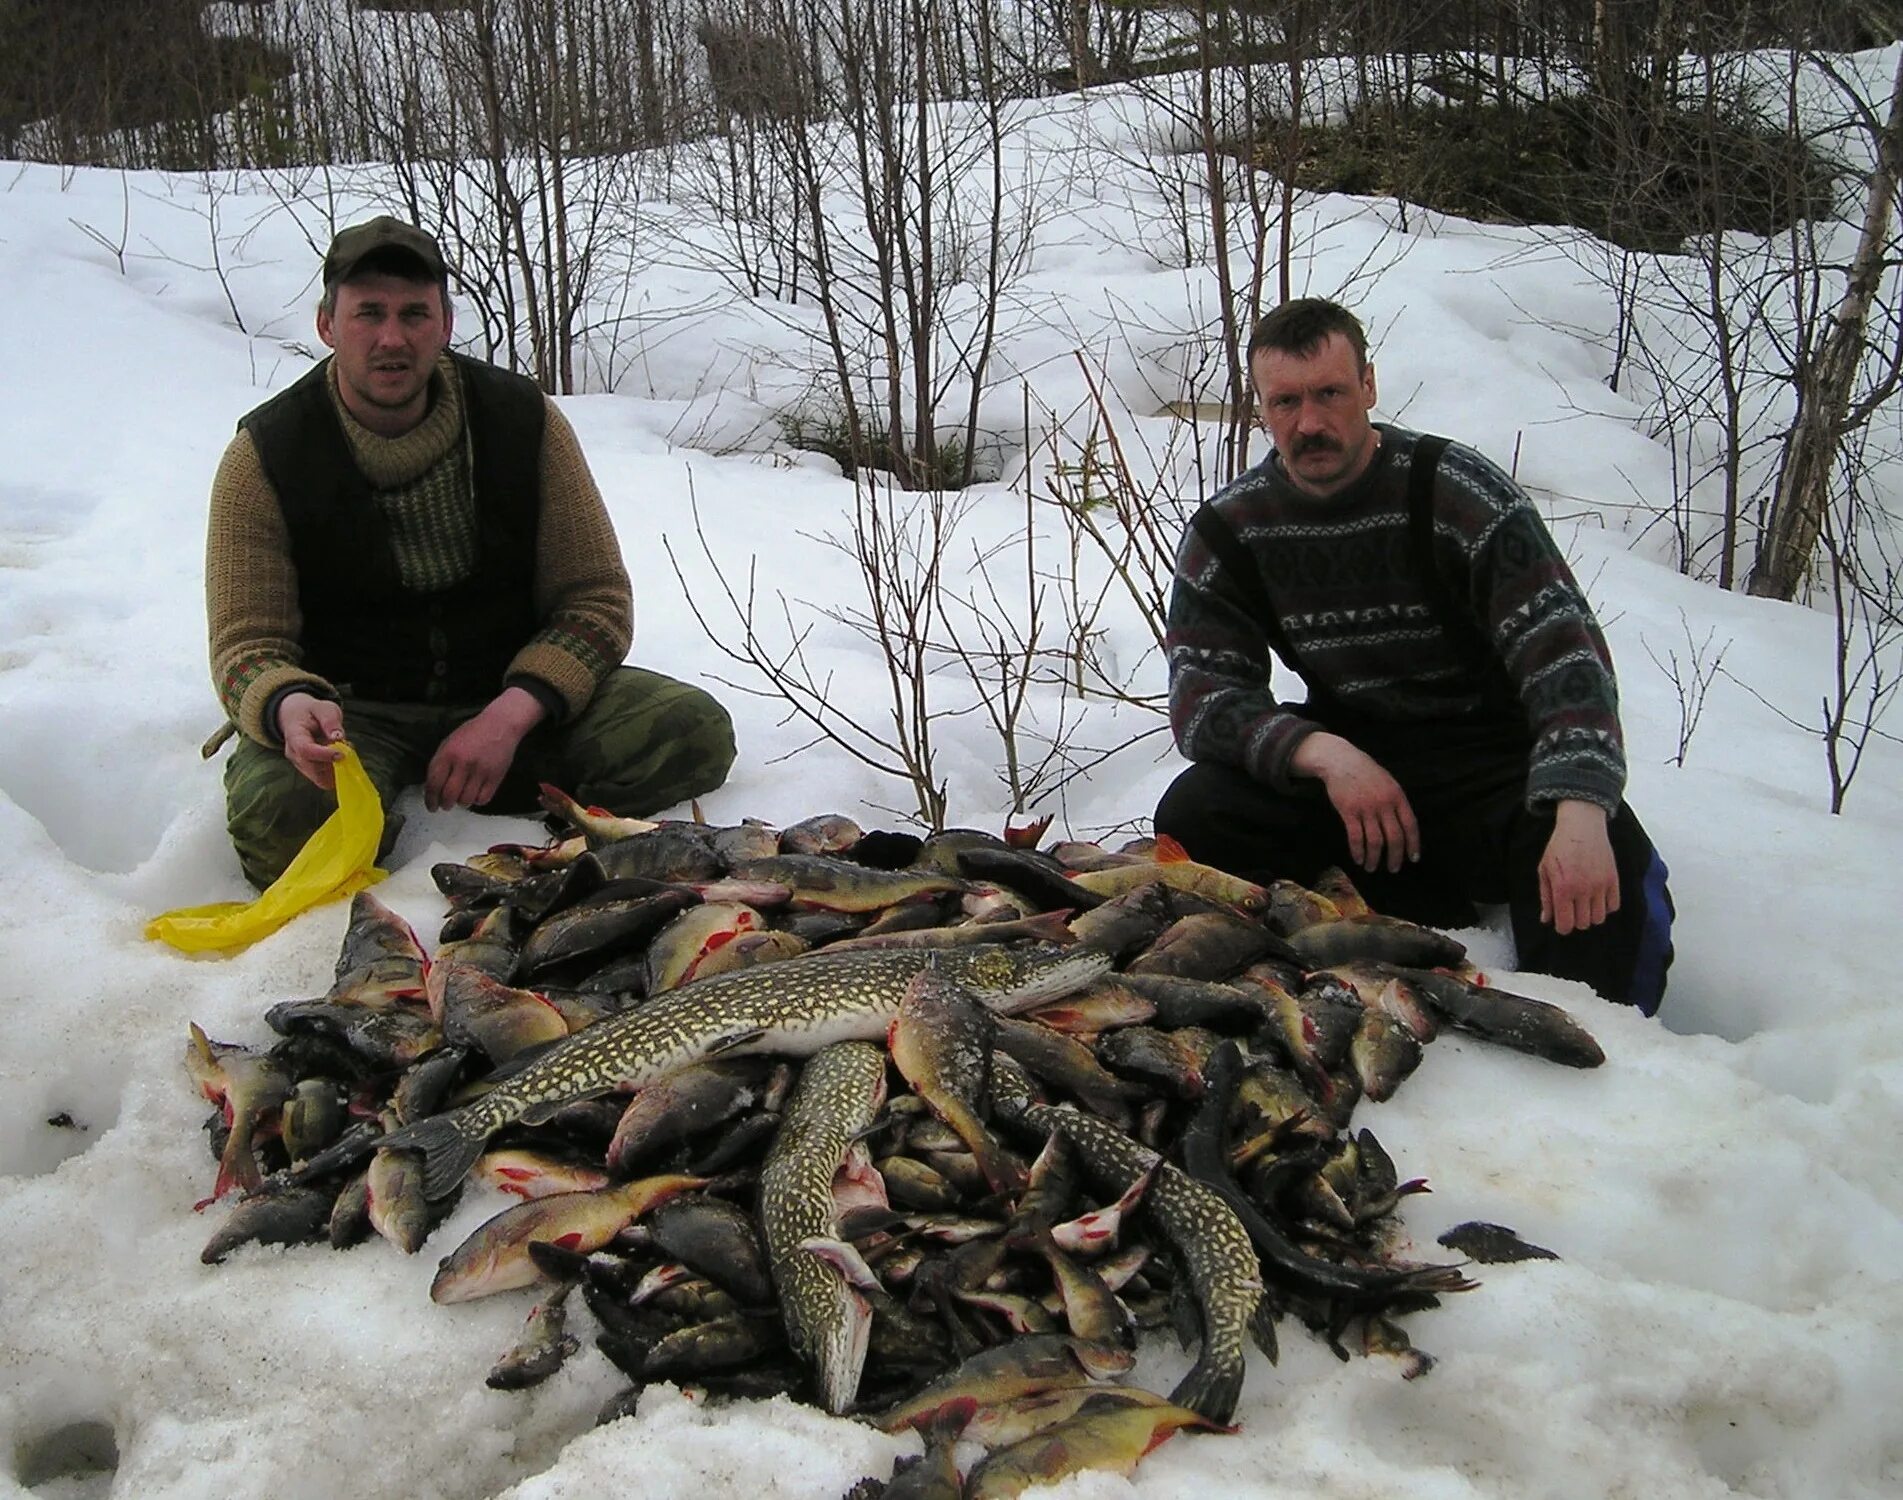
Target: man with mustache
407	548
1460	738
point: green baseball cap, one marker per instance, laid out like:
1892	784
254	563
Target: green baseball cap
380	235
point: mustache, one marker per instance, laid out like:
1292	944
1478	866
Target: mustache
1316	443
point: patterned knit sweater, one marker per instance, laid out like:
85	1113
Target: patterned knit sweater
581	591
1342	577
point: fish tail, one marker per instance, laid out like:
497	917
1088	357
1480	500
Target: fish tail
449	1151
1437	1279
1051	927
1211	1389
1002	1171
554	799
238	1165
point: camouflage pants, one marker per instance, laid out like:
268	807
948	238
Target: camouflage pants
645	742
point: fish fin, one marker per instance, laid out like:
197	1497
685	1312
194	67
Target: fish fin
1262	1330
554	799
238	1165
737	1039
1051	926
1169	851
1029	834
845	1260
1211	1391
448	1153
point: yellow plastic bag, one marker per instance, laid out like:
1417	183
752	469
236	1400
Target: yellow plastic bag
337	860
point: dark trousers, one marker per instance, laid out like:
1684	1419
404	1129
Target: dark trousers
1479	843
645	742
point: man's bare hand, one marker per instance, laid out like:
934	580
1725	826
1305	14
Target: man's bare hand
1374	810
1579	882
310	728
468	767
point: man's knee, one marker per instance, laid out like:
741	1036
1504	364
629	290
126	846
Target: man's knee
647	743
1202	795
1624	958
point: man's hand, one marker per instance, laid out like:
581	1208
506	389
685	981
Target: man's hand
1374	810
468	767
1579	883
310	727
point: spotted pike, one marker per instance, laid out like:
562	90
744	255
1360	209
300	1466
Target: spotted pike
792	1008
1211	1243
827	1321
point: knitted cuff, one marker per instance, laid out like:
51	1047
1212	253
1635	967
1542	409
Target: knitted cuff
258	712
568	683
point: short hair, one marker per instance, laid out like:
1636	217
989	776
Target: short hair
389	261
1302	325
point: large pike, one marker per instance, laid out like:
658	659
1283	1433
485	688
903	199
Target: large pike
1214	1248
827	1321
792	1009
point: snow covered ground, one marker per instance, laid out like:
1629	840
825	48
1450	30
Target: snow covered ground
1725	1193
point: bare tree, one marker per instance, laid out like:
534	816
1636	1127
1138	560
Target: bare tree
1827	400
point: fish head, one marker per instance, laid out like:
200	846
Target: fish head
1015	979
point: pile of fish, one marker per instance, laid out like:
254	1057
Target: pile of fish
923	1130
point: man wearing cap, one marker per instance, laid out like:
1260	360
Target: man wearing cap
406	548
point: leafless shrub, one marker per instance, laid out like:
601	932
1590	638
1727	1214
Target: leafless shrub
1691	678
898	545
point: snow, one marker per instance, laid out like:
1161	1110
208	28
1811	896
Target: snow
1724	1192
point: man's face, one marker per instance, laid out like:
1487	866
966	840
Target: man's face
1316	409
387	332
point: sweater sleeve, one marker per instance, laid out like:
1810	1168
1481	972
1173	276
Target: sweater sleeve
582	593
1549	641
251	596
1222	708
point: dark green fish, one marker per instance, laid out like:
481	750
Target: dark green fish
1492	1244
543	1348
822	883
1208	945
717	1239
290	1216
1387	938
1068	1063
696	1098
312	1117
495	1019
599	930
941	1040
1530	1026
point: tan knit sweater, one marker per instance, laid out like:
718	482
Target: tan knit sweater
582	594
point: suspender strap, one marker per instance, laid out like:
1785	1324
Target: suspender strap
1240	564
1420	531
1454	618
